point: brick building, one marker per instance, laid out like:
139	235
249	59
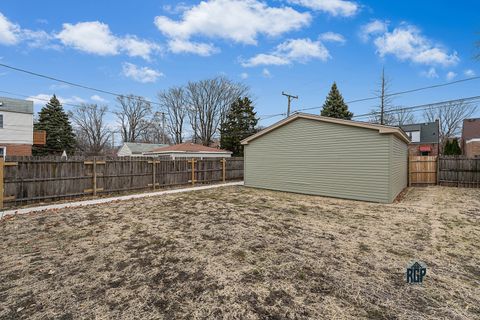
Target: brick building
471	138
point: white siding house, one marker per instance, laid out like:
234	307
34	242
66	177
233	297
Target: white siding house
189	150
136	149
16	126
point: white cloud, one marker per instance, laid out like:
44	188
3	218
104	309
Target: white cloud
372	28
332	37
9	32
334	7
97	98
266	73
469	73
42	99
244	75
407	43
186	46
241	21
430	73
450	75
140	74
292	50
95	37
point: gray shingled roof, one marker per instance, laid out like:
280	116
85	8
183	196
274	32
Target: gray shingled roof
428	131
16	105
139	148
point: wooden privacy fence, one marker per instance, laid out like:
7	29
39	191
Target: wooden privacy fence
422	170
453	171
458	171
26	180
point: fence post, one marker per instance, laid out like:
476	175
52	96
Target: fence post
94	176
153	170
2	161
193	171
223	161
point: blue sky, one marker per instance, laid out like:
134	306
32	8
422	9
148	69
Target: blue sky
298	46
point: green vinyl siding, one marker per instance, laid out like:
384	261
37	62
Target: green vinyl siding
399	167
321	158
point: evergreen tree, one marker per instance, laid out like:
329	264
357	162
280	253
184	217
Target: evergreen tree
334	105
452	148
53	119
240	123
447	149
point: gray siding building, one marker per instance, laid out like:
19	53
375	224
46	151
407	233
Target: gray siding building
329	157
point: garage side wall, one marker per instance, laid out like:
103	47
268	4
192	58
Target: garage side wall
399	167
319	158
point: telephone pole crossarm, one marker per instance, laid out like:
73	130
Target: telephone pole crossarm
289	97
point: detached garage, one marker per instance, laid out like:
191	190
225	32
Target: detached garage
329	157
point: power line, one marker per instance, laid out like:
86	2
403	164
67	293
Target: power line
420	107
36	98
403	92
467	100
73	83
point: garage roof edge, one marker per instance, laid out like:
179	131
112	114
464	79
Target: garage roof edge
380	128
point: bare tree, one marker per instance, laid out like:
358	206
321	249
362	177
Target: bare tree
402	116
134	117
382	114
174	103
91	130
156	131
209	101
450	116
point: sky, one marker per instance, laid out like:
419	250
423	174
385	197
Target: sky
297	46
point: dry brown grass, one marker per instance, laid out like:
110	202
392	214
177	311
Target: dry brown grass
238	253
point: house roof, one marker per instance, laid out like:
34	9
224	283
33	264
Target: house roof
190	148
471	129
16	105
428	131
380	128
137	147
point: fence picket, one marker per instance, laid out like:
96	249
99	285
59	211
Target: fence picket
36	179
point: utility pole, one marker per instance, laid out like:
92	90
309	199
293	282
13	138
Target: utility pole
290	97
163	128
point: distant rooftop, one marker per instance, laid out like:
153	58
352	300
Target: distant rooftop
137	147
189	147
16	105
428	131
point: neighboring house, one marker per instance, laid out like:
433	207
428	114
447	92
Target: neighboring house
137	149
16	128
331	157
471	138
189	150
424	138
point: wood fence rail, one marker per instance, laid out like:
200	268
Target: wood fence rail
25	180
459	171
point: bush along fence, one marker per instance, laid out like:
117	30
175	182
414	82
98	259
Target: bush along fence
25	180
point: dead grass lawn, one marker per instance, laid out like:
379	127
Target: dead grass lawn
239	253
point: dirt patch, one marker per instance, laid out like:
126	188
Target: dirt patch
242	253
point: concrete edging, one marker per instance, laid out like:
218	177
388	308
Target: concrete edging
106	200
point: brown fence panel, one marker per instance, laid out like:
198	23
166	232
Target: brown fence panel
459	171
422	170
38	179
